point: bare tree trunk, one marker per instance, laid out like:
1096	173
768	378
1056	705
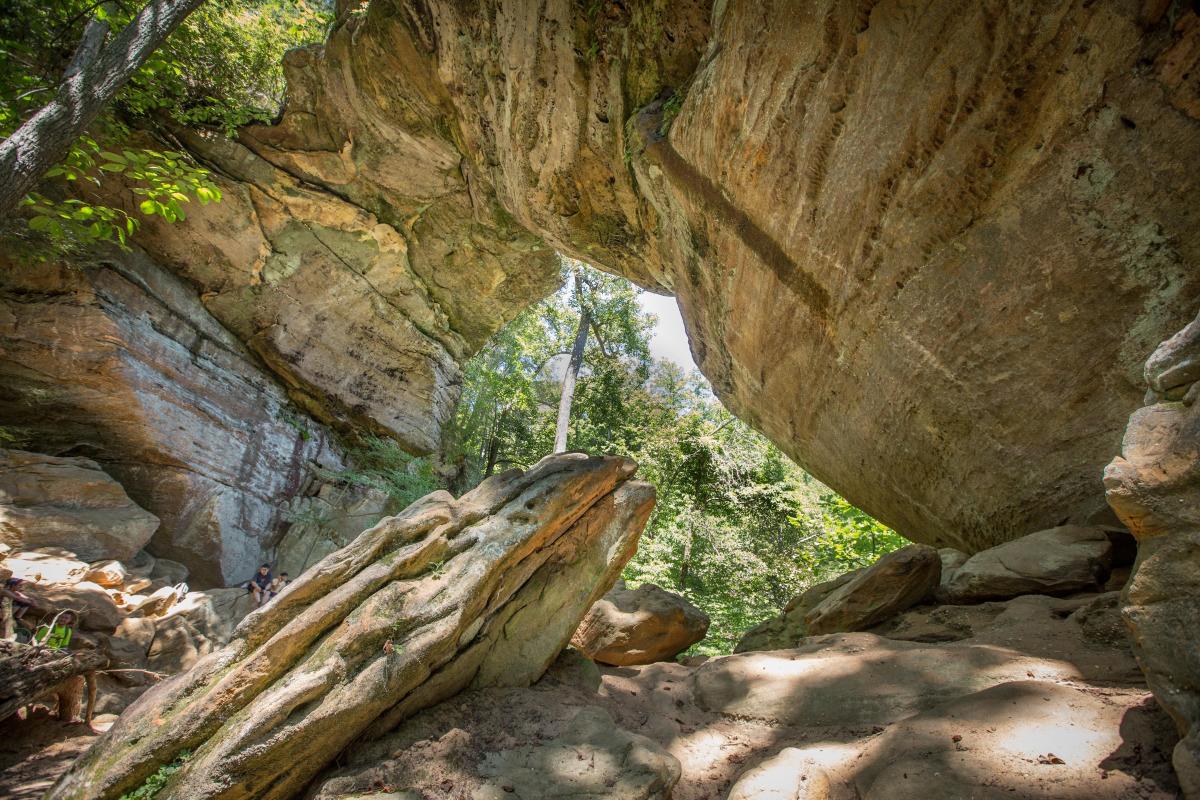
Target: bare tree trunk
96	73
573	366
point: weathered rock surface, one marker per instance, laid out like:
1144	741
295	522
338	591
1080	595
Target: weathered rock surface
821	232
787	776
787	629
68	503
526	744
639	626
451	594
121	362
1055	561
896	581
1154	486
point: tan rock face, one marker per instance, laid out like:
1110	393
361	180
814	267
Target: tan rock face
639	626
68	503
1154	486
895	582
891	233
477	592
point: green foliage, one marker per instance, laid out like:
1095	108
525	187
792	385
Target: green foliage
380	464
738	528
164	181
670	110
221	69
158	780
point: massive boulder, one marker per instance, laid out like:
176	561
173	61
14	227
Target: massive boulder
1154	486
933	206
1055	561
639	626
68	503
451	594
896	581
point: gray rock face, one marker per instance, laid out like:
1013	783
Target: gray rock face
1154	486
896	581
639	626
1054	561
121	362
68	503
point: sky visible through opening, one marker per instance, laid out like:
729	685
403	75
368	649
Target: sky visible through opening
669	341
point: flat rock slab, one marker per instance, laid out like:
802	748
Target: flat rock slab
896	581
1054	561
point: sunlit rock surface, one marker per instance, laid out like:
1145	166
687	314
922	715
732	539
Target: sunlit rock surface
451	594
1154	486
925	253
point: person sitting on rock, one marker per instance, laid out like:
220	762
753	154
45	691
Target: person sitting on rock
56	635
260	585
277	585
21	602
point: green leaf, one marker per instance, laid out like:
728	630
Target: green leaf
148	207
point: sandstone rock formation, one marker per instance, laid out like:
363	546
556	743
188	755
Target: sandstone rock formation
69	503
787	629
822	233
1154	486
967	738
120	362
896	581
476	592
1055	561
639	626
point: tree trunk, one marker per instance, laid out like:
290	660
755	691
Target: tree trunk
568	385
96	73
28	672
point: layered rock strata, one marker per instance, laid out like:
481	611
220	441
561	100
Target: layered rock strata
1154	486
121	363
476	592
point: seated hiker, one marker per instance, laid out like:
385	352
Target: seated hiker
277	585
260	585
21	602
57	634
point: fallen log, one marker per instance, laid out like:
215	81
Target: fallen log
28	672
450	594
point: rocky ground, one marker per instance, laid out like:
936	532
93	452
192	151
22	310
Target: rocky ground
1039	698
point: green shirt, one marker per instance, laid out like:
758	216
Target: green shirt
57	637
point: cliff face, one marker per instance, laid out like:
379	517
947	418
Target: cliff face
924	250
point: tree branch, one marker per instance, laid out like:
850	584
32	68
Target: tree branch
95	75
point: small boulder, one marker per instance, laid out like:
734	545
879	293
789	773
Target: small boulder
168	571
639	626
96	610
787	629
157	604
109	574
1054	562
46	501
895	582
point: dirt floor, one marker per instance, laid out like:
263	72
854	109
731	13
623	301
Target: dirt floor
1035	698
